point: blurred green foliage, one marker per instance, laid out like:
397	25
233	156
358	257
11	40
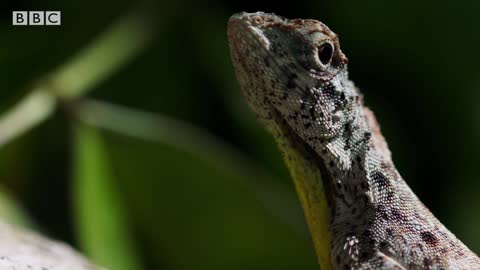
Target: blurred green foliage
138	190
102	221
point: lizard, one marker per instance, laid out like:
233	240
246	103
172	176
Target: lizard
360	211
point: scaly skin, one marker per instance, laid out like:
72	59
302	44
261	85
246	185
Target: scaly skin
294	76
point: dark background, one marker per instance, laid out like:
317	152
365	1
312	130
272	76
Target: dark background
183	207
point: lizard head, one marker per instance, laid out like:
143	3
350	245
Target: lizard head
294	68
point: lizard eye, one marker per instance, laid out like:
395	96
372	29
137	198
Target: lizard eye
325	53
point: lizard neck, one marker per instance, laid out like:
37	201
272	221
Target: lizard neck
371	208
311	182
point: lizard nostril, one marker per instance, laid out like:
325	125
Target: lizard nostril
325	53
257	20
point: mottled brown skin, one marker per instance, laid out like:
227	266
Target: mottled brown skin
294	75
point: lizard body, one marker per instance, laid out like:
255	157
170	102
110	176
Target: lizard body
361	213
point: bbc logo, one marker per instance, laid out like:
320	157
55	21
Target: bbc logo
36	18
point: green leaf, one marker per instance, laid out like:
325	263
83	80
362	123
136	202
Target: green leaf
102	220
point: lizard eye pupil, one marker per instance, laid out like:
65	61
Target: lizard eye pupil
325	53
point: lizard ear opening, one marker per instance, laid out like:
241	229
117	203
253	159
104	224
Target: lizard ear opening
325	53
